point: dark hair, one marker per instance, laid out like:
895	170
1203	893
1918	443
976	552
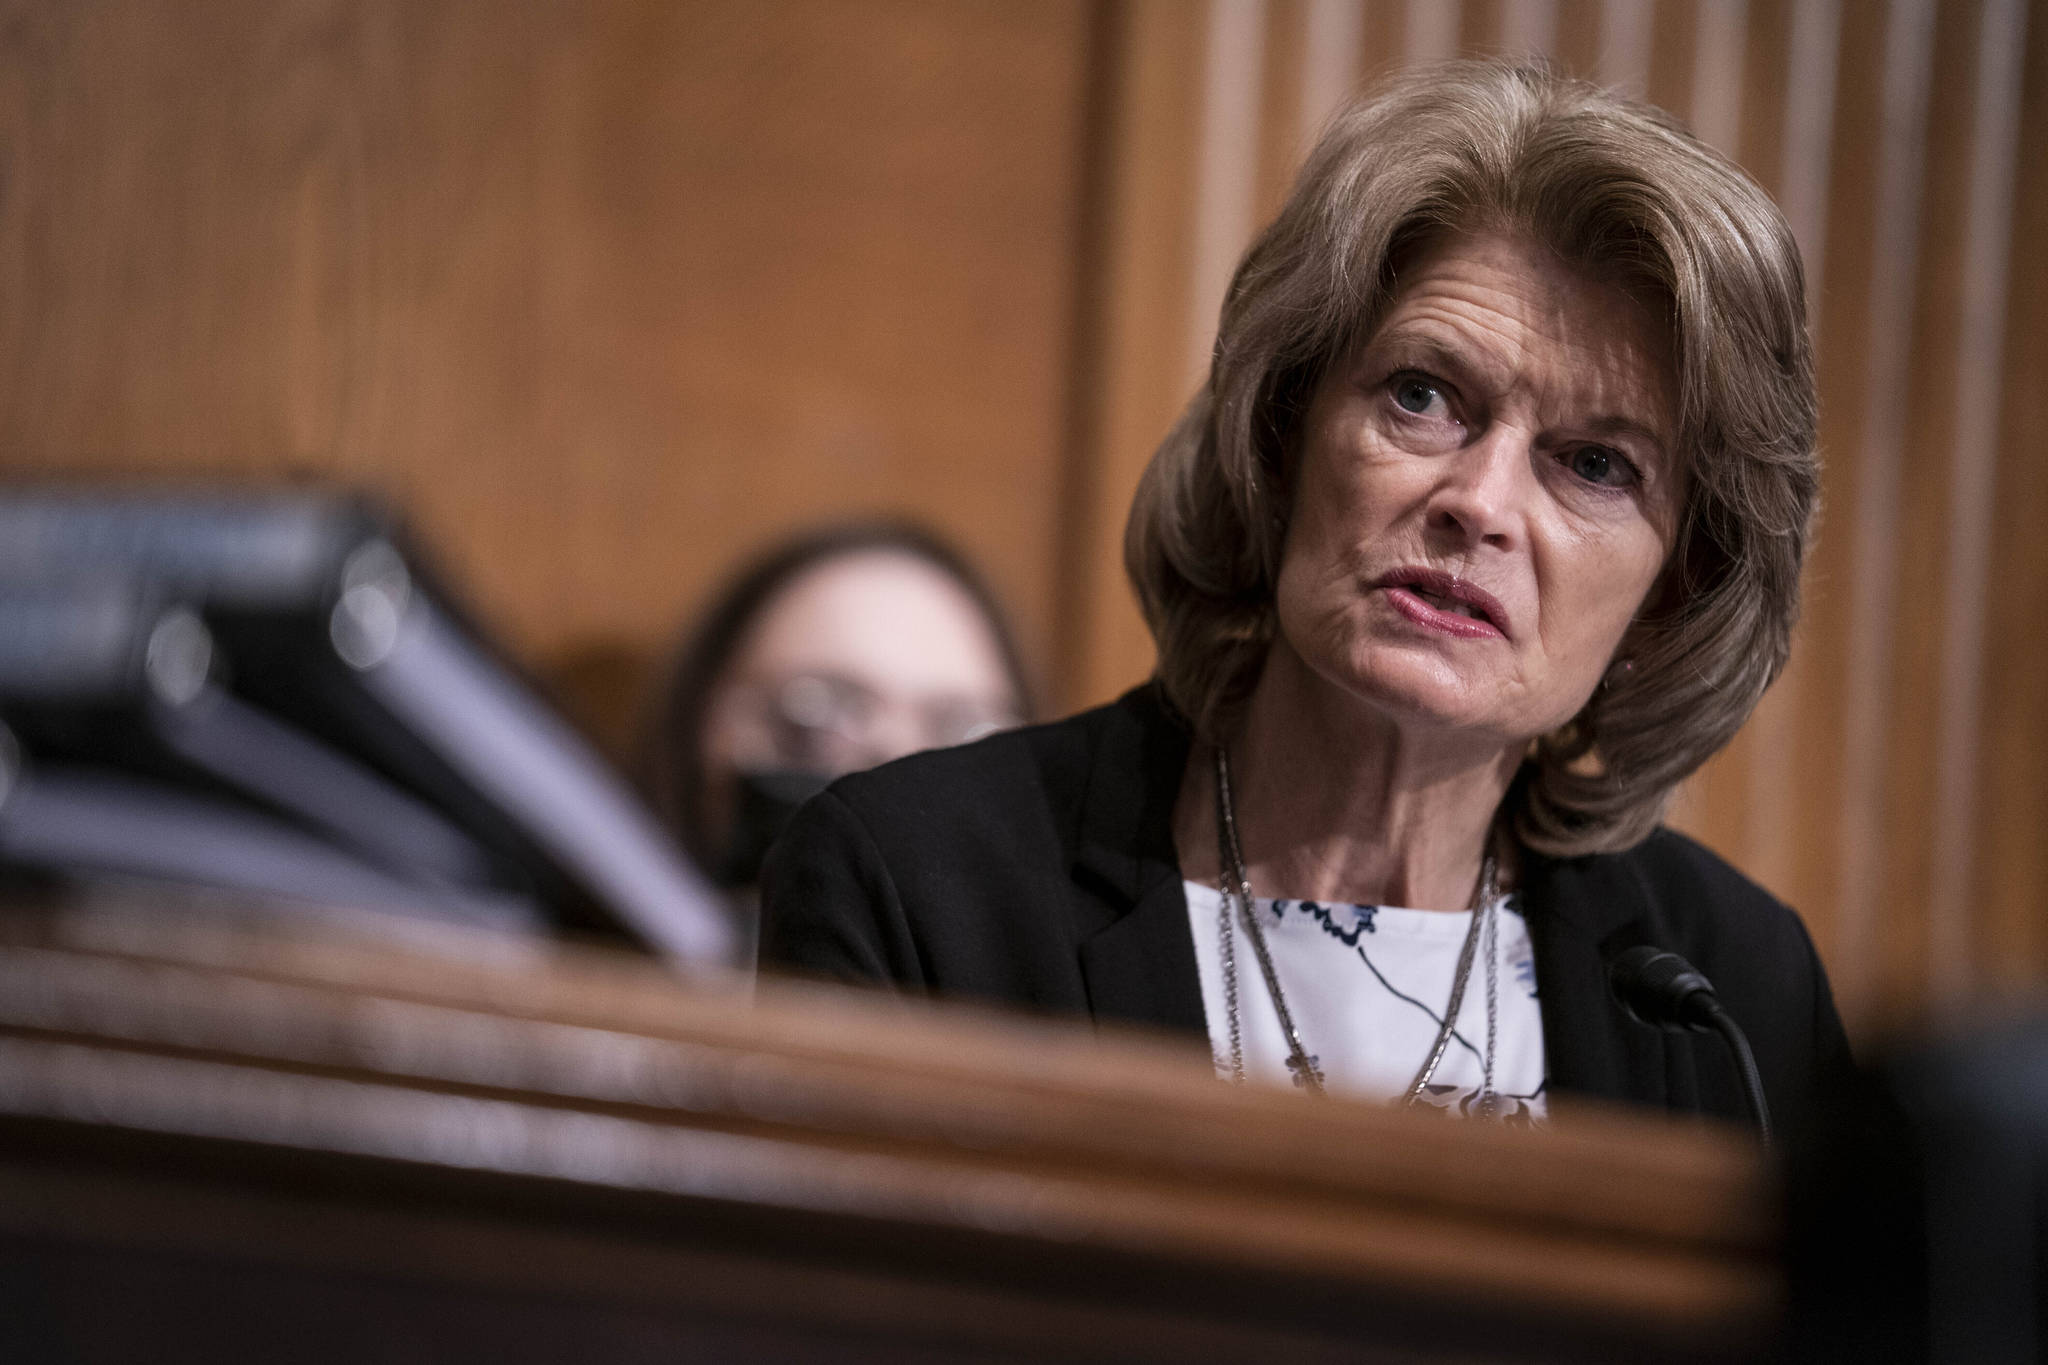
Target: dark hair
672	762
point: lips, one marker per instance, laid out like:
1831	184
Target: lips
1445	602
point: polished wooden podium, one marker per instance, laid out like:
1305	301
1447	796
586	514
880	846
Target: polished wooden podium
224	1144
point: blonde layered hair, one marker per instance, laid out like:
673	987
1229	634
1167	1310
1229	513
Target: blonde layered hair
1623	192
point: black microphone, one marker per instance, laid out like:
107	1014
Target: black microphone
1665	991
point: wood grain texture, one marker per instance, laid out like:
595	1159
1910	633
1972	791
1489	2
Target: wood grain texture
601	1074
1145	254
2011	856
1917	553
1868	122
605	296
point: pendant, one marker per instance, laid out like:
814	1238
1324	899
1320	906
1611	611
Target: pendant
1307	1070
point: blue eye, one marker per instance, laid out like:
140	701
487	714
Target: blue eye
1601	465
1415	394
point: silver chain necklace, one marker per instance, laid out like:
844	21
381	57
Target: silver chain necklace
1237	889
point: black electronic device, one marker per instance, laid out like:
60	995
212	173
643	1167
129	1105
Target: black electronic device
1663	990
282	667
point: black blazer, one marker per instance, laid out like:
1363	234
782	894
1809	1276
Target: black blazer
1037	868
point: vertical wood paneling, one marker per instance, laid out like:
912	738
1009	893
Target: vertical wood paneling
1226	173
1480	25
1430	30
1529	26
1739	74
1333	41
2010	856
1914	551
1146	252
1720	45
1674	34
1796	45
605	294
1972	459
641	284
1875	463
1682	54
1385	37
1577	47
1283	91
1627	44
1819	666
1892	785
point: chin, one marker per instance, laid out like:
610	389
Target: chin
1414	694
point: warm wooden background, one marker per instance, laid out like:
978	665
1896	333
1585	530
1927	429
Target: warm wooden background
604	294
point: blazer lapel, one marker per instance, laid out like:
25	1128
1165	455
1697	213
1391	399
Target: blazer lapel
1580	911
1140	967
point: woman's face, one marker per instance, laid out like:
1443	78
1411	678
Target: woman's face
1485	494
864	657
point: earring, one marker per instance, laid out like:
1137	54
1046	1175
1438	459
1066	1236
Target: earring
1618	672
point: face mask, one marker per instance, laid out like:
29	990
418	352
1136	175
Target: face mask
763	801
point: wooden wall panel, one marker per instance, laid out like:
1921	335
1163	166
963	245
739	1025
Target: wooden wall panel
603	294
1894	786
1910	565
2009	866
1140	313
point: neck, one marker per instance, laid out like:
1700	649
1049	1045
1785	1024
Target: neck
1335	801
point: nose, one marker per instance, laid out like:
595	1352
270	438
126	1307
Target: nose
1479	490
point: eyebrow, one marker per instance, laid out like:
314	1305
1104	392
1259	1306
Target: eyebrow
1427	350
1434	354
1616	425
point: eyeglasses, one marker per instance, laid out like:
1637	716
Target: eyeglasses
831	723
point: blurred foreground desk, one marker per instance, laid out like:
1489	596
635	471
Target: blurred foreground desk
223	1146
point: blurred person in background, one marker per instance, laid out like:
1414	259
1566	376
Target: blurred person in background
1483	533
843	648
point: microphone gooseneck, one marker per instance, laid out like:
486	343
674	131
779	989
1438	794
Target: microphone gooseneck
1663	990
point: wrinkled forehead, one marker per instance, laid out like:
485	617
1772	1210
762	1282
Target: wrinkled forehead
1633	273
1523	295
1506	318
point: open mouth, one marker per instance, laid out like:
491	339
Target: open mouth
1434	598
1446	603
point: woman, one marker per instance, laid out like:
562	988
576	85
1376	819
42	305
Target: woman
843	648
1484	533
